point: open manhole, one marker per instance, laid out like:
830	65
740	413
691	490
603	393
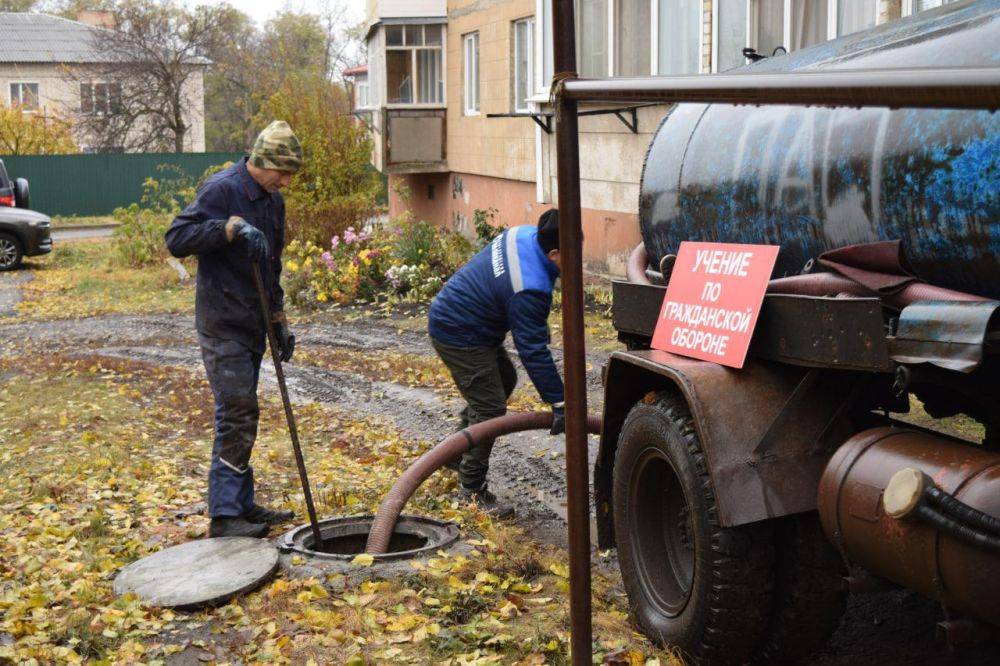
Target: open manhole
345	538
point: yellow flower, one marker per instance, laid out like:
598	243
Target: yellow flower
291	266
308	262
321	297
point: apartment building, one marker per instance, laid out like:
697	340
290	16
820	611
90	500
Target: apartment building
470	128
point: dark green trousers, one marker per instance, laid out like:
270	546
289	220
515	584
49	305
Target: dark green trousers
485	377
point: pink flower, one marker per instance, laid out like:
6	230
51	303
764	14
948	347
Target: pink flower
350	236
328	260
334	242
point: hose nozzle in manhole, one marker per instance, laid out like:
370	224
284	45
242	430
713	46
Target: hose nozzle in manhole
345	538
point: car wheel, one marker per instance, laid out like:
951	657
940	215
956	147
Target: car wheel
10	252
691	583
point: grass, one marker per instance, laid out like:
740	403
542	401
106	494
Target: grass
82	279
106	452
81	220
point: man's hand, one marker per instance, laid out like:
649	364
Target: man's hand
286	339
558	419
250	237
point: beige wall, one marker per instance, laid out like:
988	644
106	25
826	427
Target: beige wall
499	147
59	94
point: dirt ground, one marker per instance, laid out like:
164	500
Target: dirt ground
384	368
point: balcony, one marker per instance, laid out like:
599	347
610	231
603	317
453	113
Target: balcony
415	140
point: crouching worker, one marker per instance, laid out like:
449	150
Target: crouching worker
506	287
238	218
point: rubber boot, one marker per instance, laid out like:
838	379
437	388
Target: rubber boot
236	527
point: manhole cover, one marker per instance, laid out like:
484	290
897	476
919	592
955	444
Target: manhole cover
199	573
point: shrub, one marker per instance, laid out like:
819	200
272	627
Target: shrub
139	239
336	187
410	261
486	231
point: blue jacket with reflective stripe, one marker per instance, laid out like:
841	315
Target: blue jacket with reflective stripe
507	286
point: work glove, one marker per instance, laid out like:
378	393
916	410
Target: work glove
286	339
558	419
250	237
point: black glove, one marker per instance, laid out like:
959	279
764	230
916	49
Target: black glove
250	237
286	341
558	420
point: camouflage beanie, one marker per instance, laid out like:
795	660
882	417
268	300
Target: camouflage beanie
277	147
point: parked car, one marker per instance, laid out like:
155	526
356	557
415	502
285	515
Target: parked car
23	232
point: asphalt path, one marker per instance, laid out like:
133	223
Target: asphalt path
64	234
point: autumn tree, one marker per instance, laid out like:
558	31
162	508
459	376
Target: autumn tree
153	59
33	133
336	186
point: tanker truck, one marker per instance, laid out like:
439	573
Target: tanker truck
745	504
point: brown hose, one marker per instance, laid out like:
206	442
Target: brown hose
635	267
828	284
451	447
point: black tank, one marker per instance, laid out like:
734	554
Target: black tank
814	179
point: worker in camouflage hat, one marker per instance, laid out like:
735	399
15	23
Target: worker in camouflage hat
278	148
237	220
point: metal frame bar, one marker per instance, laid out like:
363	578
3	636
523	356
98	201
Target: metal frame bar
971	88
544	120
954	88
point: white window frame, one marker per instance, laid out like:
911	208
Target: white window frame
833	7
530	20
38	95
441	48
907	8
358	87
542	11
654	43
470	105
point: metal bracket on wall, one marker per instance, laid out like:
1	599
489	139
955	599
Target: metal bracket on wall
627	115
543	120
360	115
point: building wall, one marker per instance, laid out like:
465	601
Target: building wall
59	94
498	147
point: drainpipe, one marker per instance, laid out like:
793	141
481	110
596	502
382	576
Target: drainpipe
571	251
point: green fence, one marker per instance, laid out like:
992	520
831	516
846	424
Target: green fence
97	184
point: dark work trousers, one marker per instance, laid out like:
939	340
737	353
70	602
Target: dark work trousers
485	377
233	370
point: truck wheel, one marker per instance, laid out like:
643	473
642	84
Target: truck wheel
809	593
10	252
691	583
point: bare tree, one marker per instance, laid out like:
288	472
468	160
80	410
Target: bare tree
143	97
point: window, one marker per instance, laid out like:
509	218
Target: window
414	64
24	96
678	31
100	99
767	25
808	24
546	54
855	15
730	24
592	37
631	33
361	94
524	62
471	69
921	5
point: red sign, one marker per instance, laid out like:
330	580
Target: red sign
713	299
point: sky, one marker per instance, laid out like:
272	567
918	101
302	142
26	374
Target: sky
262	10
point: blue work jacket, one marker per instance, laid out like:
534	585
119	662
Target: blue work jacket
507	286
227	305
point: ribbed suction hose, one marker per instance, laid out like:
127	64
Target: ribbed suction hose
451	447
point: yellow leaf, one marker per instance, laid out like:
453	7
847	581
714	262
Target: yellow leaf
560	570
364	560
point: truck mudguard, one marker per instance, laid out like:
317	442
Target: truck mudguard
767	430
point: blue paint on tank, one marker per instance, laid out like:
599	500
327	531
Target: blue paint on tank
813	179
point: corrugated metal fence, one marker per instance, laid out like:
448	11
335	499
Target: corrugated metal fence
97	184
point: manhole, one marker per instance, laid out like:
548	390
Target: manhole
345	538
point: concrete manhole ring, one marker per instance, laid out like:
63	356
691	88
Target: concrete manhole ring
415	538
